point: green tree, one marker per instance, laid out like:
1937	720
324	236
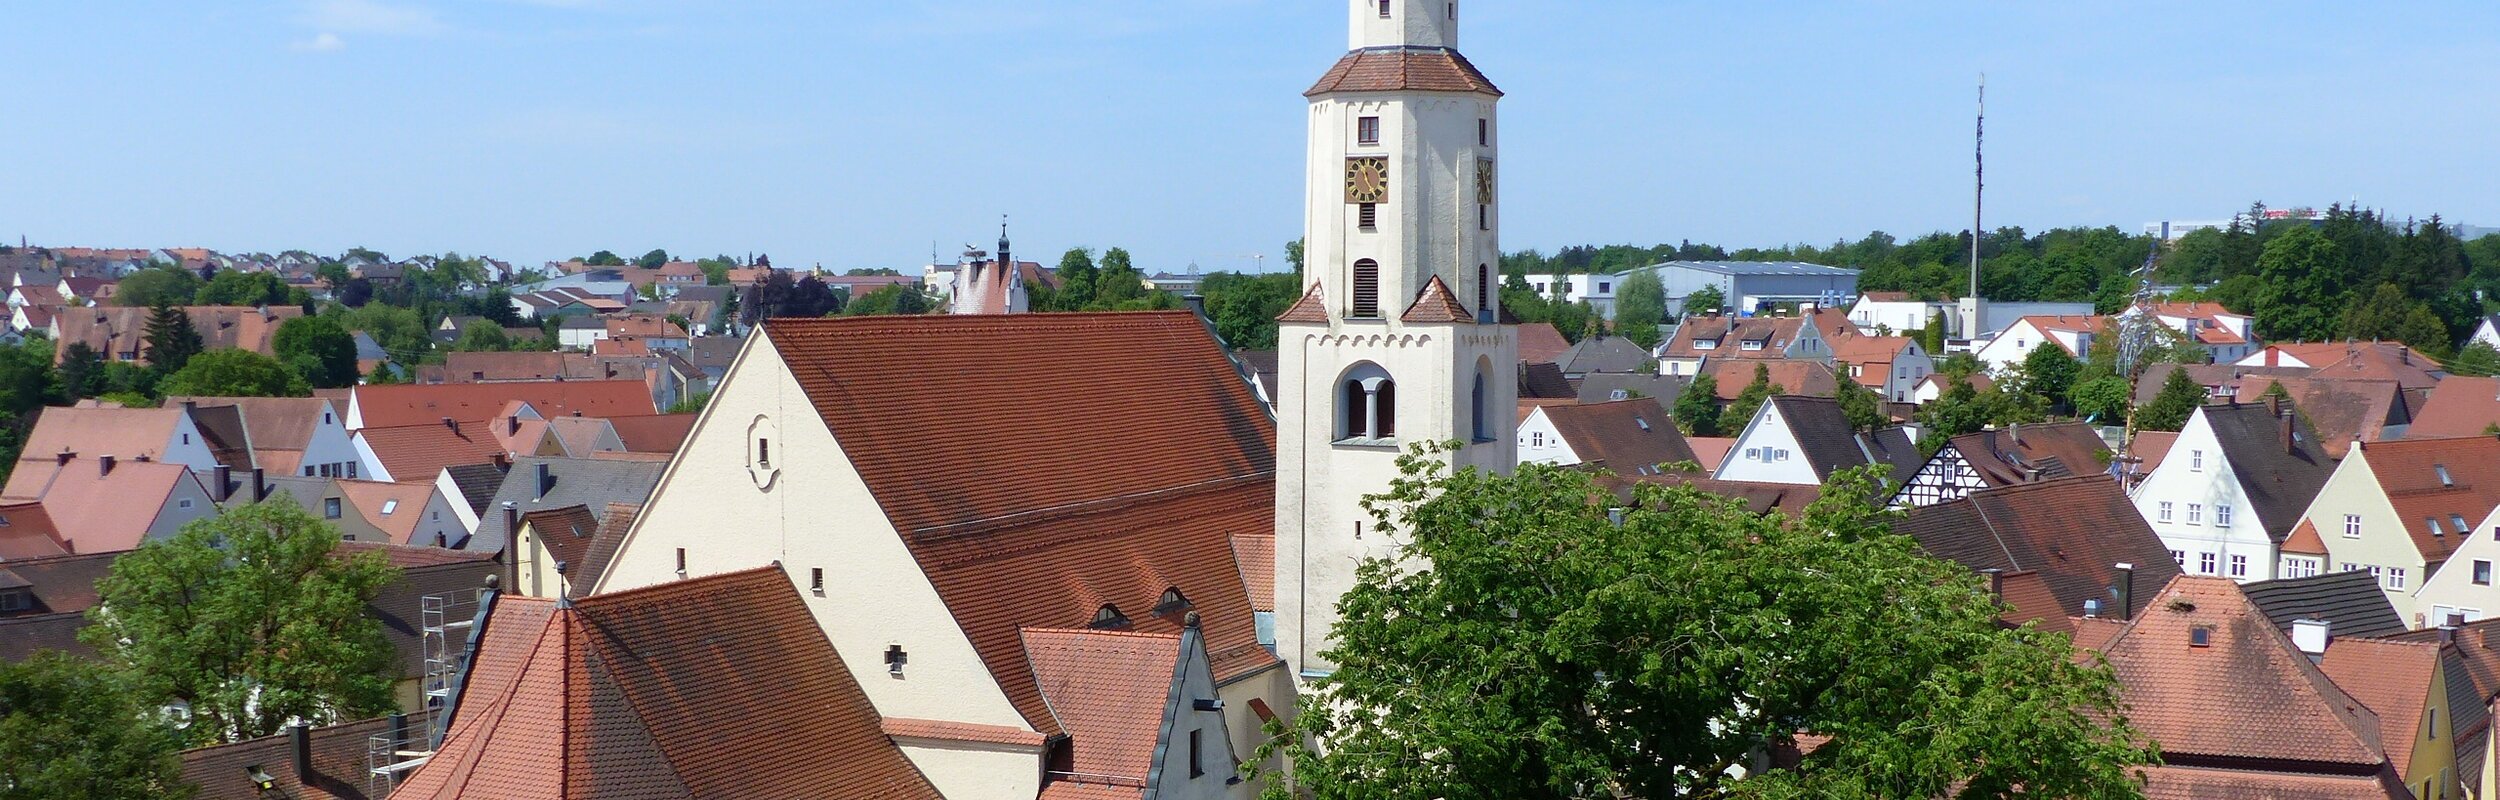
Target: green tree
2478	359
2103	399
2048	373
236	372
1640	307
2169	410
1117	282
1546	634
604	258
482	336
1705	301
890	299
171	339
1244	307
402	332
1076	280
318	349
251	619
1958	411
1739	412
716	269
652	260
2421	329
2303	280
1293	255
1697	409
72	728
82	372
239	288
160	284
1863	407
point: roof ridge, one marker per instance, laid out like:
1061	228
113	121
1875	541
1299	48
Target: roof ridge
1025	629
605	599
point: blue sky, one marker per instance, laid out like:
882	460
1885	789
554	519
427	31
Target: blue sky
857	133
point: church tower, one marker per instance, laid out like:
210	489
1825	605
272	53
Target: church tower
1398	338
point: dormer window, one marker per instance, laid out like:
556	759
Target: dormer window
16	600
1753	344
1172	600
1108	618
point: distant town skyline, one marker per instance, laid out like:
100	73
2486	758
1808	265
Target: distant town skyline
871	135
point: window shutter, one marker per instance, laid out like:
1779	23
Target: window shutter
1367	288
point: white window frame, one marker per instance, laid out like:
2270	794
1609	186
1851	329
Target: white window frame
2196	513
2165	511
2222	515
2352	526
2196	460
2239	566
2206	564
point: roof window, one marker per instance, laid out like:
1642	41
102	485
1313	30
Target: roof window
1108	618
2445	480
2200	636
1172	600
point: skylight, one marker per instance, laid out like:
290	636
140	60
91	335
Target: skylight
389	506
2444	479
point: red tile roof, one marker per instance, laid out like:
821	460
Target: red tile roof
2460	406
655	433
27	532
338	762
96	512
122	329
1403	69
2304	540
698	688
1540	343
2408	474
124	433
947	731
1311	308
2342	410
1629	437
2199	783
2245	696
1436	305
2027	599
1026	515
2391	678
1795	377
1110	690
1256	555
420	452
393	508
2076	549
407	404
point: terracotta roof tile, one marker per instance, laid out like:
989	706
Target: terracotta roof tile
1626	436
274	423
655	433
1255	554
2460	406
27	532
96	512
124	433
338	761
2075	550
2304	540
2391	678
2027	599
1029	516
683	689
2246	695
386	406
2202	783
1434	304
1729	334
2057	449
1311	308
1709	451
946	731
394	508
1540	343
420	452
567	534
2437	479
2341	411
1798	377
1109	690
1403	69
114	330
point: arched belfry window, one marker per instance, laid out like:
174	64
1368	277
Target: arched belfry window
1477	420
1366	288
1367	404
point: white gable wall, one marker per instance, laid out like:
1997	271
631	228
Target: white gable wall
813	511
2454	590
2201	489
1768	453
1541	443
2384	545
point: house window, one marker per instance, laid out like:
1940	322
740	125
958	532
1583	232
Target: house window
2458	521
2300	567
1536	439
681	562
1384	9
2239	566
2196	513
2433	524
1750	345
895	658
184	503
1713	344
2352	526
2222	515
1197	767
325	418
2482	572
186	438
16	600
1367	217
2205	563
351	470
1368	402
2196	461
1367	130
2165	512
1366	288
330	508
816	579
2395	578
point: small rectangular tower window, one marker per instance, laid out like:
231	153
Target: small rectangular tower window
816	579
681	562
1367	217
1484	217
1367	130
1484	133
1384	9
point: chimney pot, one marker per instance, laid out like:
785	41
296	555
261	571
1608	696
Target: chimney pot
546	480
260	487
299	735
448	423
64	457
225	483
104	465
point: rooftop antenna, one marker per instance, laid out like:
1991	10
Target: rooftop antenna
1979	182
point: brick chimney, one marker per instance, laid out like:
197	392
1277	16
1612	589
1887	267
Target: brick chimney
104	466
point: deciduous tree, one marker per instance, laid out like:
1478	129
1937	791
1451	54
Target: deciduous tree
1705	301
72	728
1553	652
2170	409
1739	412
1697	409
320	350
252	619
235	372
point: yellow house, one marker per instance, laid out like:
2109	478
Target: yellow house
2399	509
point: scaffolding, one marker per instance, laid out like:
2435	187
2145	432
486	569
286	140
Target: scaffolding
445	622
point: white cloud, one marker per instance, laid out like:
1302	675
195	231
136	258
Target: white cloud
372	16
326	42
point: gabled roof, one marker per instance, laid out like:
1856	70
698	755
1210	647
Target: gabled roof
566	533
1141	501
2027	598
383	406
97	512
222	431
393	508
2460	406
2004	456
1605	354
2439	480
2280	477
123	329
124	433
420	452
1544	381
1632	437
477	484
1403	69
1600	387
1435	304
655	433
2246	697
2341	411
338	761
2351	603
1788	376
1775	334
274	423
1539	342
1255	553
685	689
1311	308
2392	679
589	482
1110	691
2073	531
1825	440
27	532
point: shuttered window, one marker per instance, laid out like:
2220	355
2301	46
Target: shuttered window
1367	288
1367	217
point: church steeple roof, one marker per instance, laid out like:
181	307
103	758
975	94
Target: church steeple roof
1403	69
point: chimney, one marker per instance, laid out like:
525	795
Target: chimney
511	521
299	737
2283	415
260	486
448	423
225	483
2126	590
2447	634
512	425
1996	582
546	480
2015	431
104	465
64	457
2312	637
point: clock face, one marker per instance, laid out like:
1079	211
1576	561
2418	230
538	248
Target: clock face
1367	179
1484	181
